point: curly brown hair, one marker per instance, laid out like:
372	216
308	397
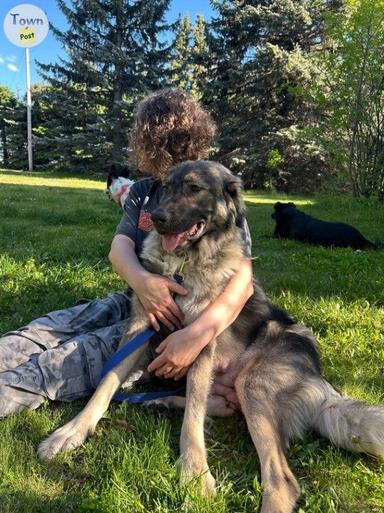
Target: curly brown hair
170	127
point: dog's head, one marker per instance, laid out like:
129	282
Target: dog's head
199	198
283	210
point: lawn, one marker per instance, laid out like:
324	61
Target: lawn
55	233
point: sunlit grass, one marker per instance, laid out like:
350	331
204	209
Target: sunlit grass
48	180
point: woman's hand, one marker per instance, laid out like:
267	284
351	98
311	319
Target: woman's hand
155	294
154	291
177	352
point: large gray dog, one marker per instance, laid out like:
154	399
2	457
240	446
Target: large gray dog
274	362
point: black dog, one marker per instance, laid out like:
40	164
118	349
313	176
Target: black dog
294	224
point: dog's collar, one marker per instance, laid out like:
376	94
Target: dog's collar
122	190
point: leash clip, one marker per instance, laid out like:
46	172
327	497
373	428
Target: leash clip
178	277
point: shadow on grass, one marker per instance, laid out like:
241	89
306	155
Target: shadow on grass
56	205
112	464
56	225
48	288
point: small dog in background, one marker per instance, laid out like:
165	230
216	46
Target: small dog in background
118	186
291	223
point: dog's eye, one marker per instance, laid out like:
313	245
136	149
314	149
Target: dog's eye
166	187
195	188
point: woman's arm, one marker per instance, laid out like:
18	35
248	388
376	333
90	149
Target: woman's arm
180	349
154	291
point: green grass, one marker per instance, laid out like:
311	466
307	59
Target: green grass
55	233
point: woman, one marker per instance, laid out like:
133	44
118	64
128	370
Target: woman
60	356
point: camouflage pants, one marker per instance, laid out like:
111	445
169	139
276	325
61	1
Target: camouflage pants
60	356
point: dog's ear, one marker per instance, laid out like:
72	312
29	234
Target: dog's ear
113	172
276	205
291	204
233	188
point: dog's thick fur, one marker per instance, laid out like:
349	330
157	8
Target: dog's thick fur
274	362
291	223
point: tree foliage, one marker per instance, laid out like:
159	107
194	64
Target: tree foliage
188	65
260	55
9	127
113	58
350	89
296	87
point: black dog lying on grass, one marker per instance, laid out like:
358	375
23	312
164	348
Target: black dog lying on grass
294	224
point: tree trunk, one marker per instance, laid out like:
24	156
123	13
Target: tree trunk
4	143
117	96
352	164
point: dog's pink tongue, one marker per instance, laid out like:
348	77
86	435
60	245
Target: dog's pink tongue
170	242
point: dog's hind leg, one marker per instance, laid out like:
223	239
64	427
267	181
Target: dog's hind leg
261	410
75	432
217	406
192	444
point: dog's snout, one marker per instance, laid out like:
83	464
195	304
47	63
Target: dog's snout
159	216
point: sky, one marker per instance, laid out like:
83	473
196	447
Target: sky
12	58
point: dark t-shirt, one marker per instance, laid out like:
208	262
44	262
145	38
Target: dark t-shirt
136	223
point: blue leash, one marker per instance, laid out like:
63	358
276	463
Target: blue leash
129	348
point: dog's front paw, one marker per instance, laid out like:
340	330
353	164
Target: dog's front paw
66	438
208	484
204	478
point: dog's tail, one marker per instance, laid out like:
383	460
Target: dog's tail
350	424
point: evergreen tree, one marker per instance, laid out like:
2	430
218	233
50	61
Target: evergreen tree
188	68
13	128
199	58
9	105
180	69
114	58
45	121
261	50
